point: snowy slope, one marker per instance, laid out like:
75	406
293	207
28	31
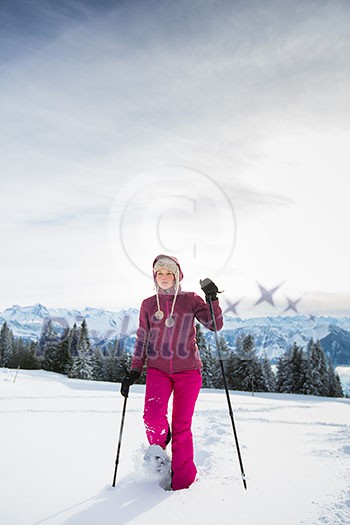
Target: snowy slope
58	440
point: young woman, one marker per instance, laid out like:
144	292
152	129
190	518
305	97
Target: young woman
166	342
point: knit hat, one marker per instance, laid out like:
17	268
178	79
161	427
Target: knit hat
168	264
171	264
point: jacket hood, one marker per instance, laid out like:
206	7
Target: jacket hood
161	256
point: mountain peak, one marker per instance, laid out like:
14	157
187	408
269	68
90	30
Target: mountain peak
39	308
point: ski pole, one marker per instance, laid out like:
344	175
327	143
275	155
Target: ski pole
227	394
119	441
16	374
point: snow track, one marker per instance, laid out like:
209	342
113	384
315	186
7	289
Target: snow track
58	439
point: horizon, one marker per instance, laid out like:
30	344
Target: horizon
226	314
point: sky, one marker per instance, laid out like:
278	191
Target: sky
213	131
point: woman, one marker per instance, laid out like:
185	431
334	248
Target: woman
166	339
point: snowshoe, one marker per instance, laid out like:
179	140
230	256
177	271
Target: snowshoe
158	464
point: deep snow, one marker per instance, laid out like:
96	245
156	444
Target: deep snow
58	441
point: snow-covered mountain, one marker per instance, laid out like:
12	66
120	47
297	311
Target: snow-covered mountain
104	325
272	335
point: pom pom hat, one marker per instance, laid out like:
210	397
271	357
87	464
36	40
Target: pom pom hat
171	264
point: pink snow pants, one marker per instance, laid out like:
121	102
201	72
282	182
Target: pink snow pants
185	387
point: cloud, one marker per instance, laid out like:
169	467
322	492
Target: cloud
246	197
93	93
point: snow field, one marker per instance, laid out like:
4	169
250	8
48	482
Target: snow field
58	443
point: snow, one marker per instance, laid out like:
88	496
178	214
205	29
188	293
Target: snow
344	376
58	442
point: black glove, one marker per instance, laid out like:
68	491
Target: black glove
130	378
210	289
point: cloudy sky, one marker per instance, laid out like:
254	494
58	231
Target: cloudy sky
215	131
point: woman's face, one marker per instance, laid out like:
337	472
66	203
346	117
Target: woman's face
165	278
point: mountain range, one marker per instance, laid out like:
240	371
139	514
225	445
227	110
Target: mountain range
272	335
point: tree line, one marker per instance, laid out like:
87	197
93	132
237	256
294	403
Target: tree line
298	371
69	352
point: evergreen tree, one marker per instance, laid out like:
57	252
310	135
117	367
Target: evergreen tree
298	369
63	360
50	348
233	361
230	367
6	346
84	344
292	370
73	340
82	366
334	385
98	365
225	353
24	352
269	376
206	357
338	392
316	382
123	364
283	378
307	372
248	374
30	360
46	333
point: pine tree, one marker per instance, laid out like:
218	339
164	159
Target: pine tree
283	379
233	362
338	392
316	382
206	357
50	348
98	365
230	366
84	338
269	376
44	336
73	340
63	358
248	374
123	363
6	345
292	370
298	369
225	353
24	352
304	370
82	366
334	385
30	360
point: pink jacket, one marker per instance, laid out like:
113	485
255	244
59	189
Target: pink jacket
172	349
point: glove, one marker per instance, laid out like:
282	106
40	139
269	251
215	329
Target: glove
130	378
210	289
